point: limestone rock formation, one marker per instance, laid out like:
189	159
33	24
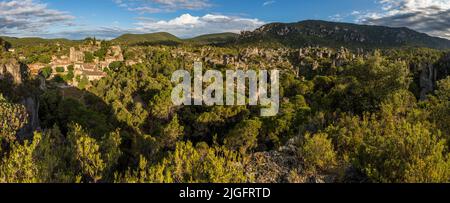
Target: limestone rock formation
283	166
428	78
12	68
431	73
4	45
31	105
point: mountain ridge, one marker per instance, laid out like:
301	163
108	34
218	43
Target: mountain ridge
294	35
146	38
334	34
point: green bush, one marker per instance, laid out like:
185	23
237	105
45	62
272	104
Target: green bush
46	72
244	136
393	150
189	164
60	69
317	152
88	57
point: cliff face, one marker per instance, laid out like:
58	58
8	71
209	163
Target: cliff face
428	78
17	72
12	68
4	45
31	105
332	34
431	73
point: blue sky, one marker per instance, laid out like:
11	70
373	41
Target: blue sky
186	18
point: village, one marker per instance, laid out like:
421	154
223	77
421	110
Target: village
75	63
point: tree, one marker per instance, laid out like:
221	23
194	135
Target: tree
116	65
365	83
44	58
19	166
12	118
88	57
393	149
189	164
101	53
54	157
60	69
46	72
83	81
440	107
69	76
89	157
87	154
70	68
110	148
172	133
317	152
161	105
244	136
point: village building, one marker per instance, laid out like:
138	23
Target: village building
92	71
75	55
94	75
62	62
35	68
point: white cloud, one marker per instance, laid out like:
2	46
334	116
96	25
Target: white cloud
336	18
158	6
266	3
187	25
429	16
32	18
24	17
145	9
183	4
184	26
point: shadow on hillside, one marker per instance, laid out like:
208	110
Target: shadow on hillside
62	105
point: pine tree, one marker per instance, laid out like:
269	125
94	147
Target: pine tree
19	166
89	157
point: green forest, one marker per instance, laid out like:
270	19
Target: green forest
346	116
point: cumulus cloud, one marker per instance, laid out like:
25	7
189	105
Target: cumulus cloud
157	6
184	26
428	16
25	17
187	25
32	18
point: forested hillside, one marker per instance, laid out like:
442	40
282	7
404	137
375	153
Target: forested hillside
332	34
346	115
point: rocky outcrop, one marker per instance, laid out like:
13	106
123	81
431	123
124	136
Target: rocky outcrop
283	166
430	73
12	68
333	34
32	107
428	77
17	73
4	45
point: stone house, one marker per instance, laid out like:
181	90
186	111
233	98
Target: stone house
36	67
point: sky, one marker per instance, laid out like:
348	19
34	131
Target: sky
107	19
